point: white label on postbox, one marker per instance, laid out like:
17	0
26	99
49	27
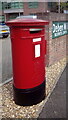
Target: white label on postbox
36	39
37	50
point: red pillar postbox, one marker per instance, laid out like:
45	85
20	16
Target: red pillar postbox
28	54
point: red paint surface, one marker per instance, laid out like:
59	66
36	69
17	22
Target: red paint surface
28	71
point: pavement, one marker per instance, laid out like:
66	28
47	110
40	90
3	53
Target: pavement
55	107
0	60
5	59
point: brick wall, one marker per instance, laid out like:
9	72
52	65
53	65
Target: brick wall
40	9
56	48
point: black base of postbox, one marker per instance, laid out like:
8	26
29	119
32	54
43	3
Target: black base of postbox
28	97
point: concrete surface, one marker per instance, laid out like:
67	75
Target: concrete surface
0	61
6	61
56	104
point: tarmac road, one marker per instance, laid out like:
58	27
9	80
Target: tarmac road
55	107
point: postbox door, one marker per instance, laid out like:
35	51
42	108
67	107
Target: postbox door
38	60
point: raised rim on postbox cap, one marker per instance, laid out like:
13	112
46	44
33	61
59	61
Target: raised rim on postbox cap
27	22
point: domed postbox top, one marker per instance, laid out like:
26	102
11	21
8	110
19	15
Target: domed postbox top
27	22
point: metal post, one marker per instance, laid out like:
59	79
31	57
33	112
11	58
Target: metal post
59	7
19	13
5	18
